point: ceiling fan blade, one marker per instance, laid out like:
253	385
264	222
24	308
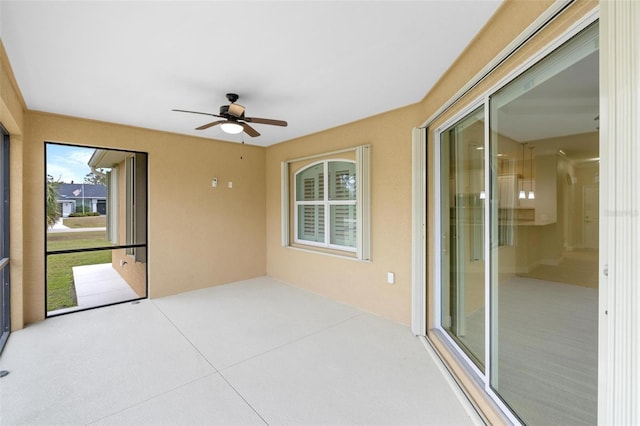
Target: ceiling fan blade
196	112
266	121
206	126
249	130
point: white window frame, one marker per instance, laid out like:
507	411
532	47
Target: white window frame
113	206
362	250
130	207
325	202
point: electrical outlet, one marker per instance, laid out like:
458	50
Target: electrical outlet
230	184
391	278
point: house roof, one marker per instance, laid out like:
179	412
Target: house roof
317	64
75	191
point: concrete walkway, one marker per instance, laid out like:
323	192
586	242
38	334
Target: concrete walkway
98	285
60	227
67	229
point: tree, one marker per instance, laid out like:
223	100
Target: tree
53	209
96	178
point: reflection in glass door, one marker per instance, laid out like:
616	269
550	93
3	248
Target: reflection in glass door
463	266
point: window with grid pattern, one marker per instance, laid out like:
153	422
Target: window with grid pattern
326	218
326	203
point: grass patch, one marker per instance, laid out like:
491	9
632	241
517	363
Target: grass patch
76	240
85	222
60	287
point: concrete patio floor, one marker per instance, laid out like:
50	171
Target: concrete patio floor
253	352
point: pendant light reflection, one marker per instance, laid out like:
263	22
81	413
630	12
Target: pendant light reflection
531	196
522	195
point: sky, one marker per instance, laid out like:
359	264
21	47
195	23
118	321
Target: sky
68	163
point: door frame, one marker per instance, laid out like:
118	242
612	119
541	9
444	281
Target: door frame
5	271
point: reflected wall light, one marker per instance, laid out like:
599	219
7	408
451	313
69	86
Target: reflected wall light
521	194
531	196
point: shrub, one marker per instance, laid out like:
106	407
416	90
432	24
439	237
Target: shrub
80	214
86	209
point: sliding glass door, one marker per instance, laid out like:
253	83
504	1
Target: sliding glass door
535	349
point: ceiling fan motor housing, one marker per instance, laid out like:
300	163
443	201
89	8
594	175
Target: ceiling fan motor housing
233	110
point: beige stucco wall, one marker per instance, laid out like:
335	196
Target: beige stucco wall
199	236
134	273
362	284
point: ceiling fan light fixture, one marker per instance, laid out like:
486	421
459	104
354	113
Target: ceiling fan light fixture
231	128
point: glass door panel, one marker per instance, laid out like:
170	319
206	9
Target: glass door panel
544	251
462	224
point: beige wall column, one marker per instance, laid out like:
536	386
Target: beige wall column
619	352
418	234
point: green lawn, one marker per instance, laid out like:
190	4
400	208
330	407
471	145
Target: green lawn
75	240
85	222
60	289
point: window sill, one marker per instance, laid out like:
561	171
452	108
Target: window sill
346	255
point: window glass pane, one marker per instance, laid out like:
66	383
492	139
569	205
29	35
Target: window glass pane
544	232
343	225
462	204
342	180
310	184
311	223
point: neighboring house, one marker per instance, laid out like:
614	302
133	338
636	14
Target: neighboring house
73	195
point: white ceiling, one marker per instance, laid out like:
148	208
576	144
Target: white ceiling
316	64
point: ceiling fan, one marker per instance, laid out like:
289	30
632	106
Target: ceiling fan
234	119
